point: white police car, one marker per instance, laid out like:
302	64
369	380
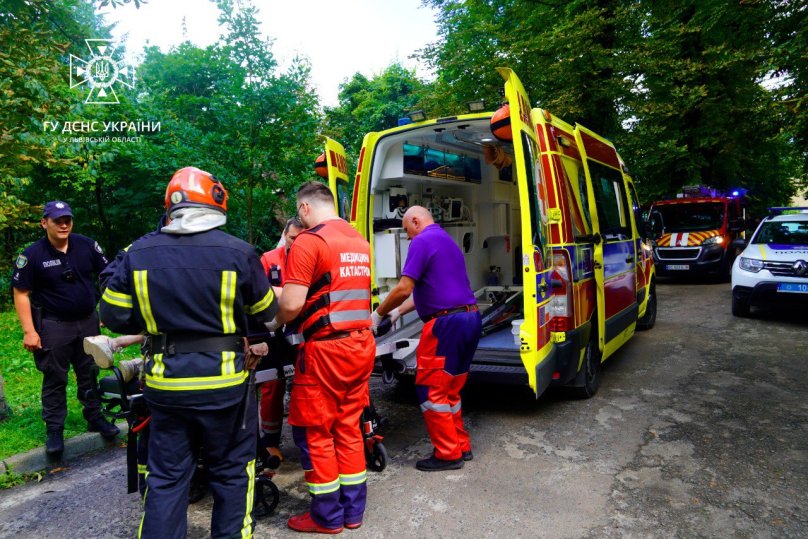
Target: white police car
774	265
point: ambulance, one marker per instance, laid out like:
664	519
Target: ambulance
695	232
548	222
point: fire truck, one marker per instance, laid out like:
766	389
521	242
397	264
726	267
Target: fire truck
694	232
546	216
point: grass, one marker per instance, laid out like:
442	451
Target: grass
24	429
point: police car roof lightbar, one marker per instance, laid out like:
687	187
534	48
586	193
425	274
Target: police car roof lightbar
786	210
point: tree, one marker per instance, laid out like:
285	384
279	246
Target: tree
702	115
372	105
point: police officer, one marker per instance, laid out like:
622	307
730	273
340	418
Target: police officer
436	278
192	288
327	291
273	391
55	297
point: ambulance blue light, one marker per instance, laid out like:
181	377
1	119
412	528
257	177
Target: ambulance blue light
404	121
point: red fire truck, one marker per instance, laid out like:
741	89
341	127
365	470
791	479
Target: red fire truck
694	232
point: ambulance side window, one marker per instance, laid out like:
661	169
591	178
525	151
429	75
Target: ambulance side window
610	194
635	206
537	216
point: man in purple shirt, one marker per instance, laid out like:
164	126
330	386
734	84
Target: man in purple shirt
435	280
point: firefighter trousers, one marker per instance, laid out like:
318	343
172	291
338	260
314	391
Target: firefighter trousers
443	358
328	395
175	437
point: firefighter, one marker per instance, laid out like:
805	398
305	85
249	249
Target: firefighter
435	276
192	289
327	292
273	391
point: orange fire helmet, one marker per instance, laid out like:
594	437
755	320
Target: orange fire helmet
191	187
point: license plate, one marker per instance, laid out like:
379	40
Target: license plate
677	267
793	288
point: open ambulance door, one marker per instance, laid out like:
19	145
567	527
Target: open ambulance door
613	239
536	351
337	167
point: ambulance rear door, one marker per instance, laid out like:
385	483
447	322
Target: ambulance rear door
537	352
613	241
338	182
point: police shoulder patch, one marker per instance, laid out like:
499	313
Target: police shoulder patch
22	261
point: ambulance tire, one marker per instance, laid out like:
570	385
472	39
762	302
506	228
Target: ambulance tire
648	320
588	380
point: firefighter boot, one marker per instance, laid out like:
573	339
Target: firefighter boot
107	430
101	348
55	443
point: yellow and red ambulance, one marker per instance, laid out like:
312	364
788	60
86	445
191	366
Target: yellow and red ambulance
548	222
694	232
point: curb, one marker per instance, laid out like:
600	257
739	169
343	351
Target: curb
36	459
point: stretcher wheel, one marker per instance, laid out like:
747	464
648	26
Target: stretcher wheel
267	496
376	458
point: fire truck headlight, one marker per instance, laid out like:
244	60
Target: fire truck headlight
715	240
750	264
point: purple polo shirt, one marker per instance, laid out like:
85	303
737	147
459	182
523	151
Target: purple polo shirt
436	264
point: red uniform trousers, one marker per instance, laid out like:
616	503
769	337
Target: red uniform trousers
272	394
330	391
443	358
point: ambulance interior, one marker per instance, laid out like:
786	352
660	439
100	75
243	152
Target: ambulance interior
465	178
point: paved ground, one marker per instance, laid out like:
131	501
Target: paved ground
699	430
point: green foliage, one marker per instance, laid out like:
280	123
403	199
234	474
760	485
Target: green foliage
372	105
677	85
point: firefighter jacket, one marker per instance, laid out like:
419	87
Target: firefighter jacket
193	294
339	299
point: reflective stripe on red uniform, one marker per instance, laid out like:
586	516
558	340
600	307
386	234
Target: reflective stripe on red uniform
342	299
444	355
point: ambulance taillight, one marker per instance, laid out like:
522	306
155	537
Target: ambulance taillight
561	299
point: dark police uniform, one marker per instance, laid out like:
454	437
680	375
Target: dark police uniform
63	299
194	294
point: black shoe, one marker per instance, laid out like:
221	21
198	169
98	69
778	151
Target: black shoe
55	443
468	455
434	464
103	427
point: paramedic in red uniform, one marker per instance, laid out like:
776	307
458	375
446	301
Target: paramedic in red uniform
435	275
273	391
327	291
193	289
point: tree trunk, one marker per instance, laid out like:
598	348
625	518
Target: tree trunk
5	410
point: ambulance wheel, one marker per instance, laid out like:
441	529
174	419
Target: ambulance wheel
588	380
649	318
740	307
377	458
267	496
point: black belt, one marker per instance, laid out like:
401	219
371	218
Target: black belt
54	318
463	309
337	335
179	343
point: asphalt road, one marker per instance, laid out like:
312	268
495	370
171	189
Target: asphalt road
698	430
